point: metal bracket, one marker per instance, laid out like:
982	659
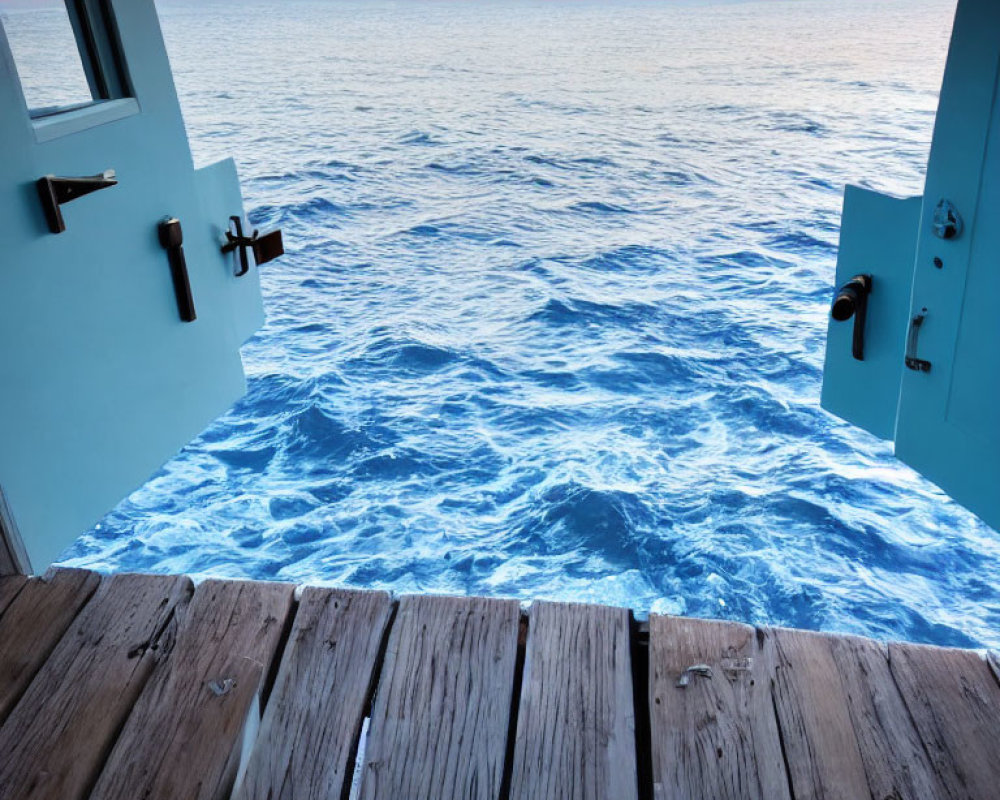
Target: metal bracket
55	192
265	248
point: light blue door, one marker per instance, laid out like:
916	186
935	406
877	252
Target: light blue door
101	377
878	239
949	415
933	330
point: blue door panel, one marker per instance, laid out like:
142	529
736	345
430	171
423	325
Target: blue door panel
102	379
948	426
878	238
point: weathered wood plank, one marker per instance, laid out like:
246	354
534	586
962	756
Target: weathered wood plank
316	708
576	721
439	725
715	738
182	738
822	754
33	625
895	763
846	730
954	701
57	736
9	587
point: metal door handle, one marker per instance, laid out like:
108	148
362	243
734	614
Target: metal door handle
914	363
55	192
852	301
172	240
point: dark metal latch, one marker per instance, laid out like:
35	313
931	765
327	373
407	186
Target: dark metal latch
265	247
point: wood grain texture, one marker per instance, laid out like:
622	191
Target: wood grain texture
954	701
9	587
34	623
717	737
182	738
315	711
576	721
822	754
895	762
59	733
439	724
846	729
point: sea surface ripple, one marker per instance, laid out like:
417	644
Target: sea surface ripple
552	318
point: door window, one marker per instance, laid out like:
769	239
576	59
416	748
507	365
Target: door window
66	53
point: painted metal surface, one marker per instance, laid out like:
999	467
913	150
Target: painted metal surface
948	367
948	425
102	381
878	237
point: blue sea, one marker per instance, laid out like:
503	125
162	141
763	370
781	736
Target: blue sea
552	318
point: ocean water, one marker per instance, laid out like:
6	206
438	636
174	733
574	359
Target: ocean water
551	322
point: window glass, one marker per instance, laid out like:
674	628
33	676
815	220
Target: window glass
46	53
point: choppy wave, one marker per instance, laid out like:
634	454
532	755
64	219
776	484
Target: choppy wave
552	317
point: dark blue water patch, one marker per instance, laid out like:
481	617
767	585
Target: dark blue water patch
314	434
332	492
400	354
396	464
792	123
582	520
765	414
801	242
459	168
275	393
289	507
304	533
594	161
886	618
252	460
634	258
546	161
749	259
314	211
577	312
664	372
423	229
424	138
566	380
598	207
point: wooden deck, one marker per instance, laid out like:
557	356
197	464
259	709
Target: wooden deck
146	687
